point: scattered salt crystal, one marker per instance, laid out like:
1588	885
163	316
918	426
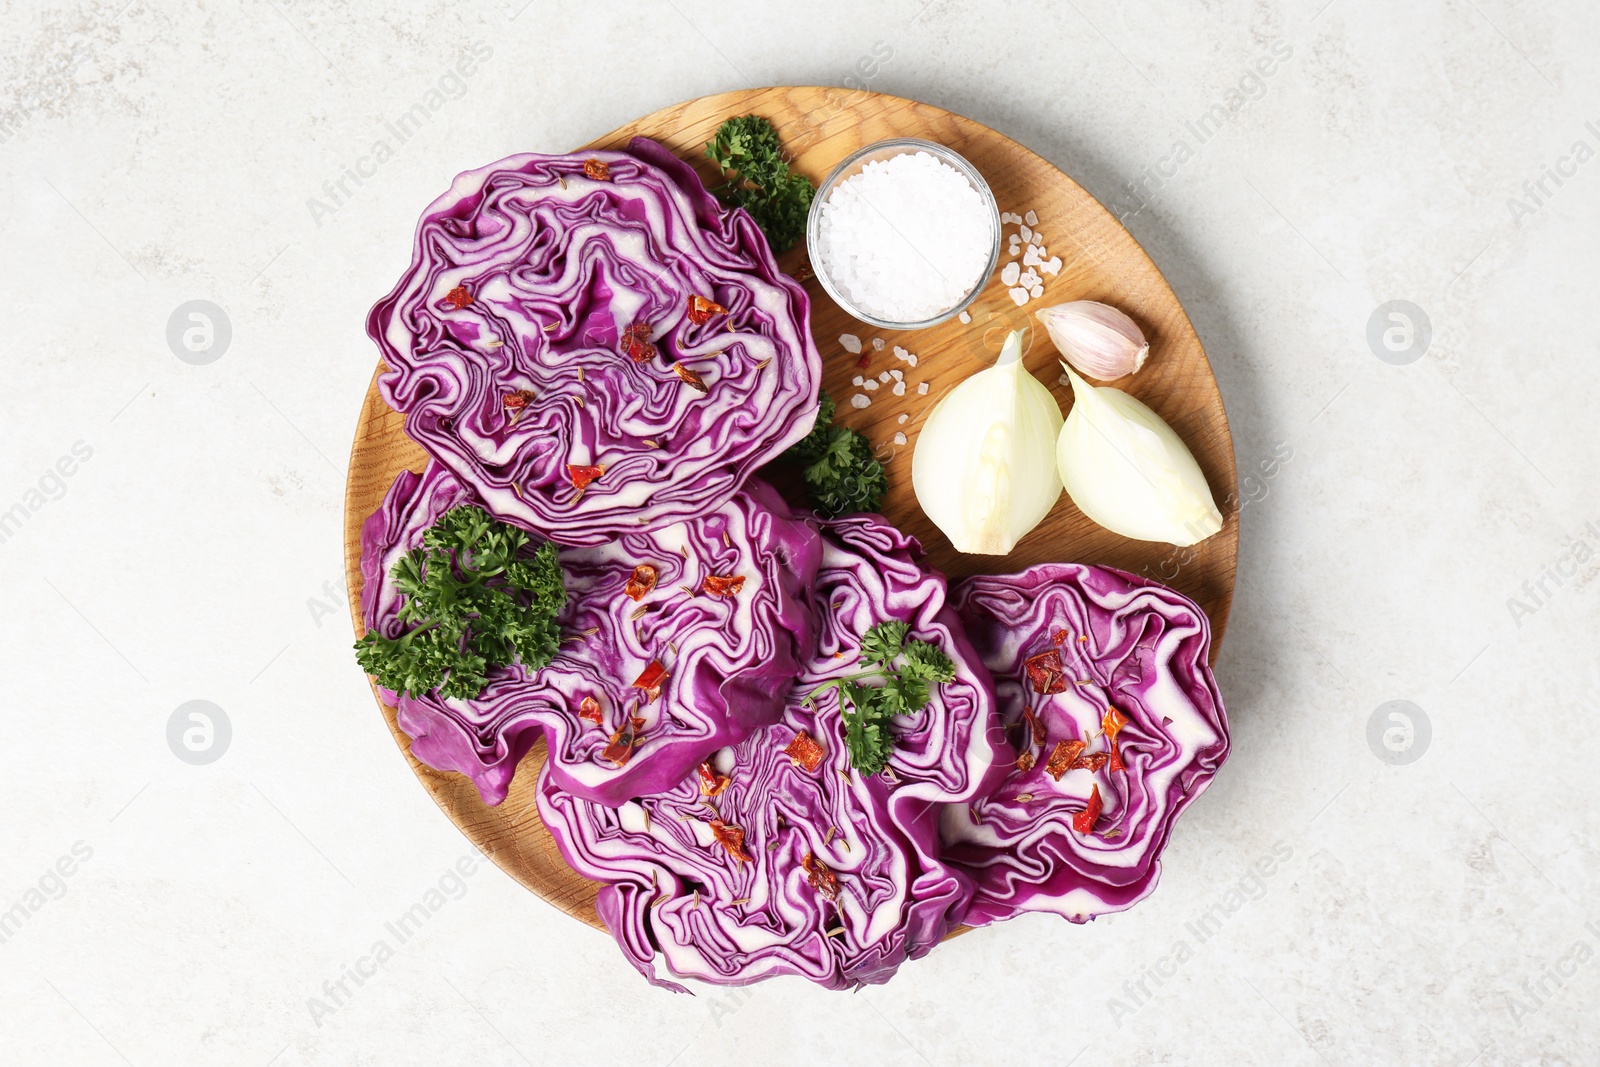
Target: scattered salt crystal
860	400
899	389
1018	296
922	390
1037	291
1031	218
906	238
964	317
1053	267
1010	216
877	344
1027	232
1014	247
1038	239
897	374
856	381
903	418
852	343
1029	279
883	376
899	438
870	384
1008	274
1030	258
899	353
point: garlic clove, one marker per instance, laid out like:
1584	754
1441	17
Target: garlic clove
1097	339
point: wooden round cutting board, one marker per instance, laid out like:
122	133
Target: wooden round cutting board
1099	261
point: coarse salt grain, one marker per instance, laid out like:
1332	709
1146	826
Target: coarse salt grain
964	317
870	384
1053	267
1019	296
906	238
1026	232
877	344
899	389
899	438
856	381
1037	291
883	376
1038	239
903	418
1008	274
922	390
852	343
1031	218
860	400
897	374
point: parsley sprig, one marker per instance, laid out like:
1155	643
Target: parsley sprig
906	672
478	601
840	470
762	184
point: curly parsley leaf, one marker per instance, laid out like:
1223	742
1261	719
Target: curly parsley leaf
477	600
906	672
762	183
839	468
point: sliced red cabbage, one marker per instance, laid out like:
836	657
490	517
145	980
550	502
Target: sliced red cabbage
524	277
1123	643
671	889
729	660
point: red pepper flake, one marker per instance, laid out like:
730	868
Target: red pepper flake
1059	636
518	400
1092	762
458	297
589	711
804	273
1025	762
1112	724
635	342
1084	821
820	876
597	169
805	752
650	680
1045	674
690	378
1034	725
863	361
731	838
582	476
712	783
729	585
641	581
1066	753
623	742
701	309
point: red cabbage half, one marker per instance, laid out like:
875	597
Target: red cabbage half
730	660
672	889
523	279
1138	647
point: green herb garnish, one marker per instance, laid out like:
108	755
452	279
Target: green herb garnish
840	469
907	672
478	602
762	183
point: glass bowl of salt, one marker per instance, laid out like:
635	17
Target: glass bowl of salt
904	234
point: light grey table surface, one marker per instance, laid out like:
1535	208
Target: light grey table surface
1431	538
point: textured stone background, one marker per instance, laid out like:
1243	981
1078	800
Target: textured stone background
166	151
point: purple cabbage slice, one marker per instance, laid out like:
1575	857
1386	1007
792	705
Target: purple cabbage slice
729	660
673	890
506	344
1124	643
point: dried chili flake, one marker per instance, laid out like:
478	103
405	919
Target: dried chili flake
650	680
641	581
711	782
1025	762
1092	762
731	838
719	585
1034	725
635	342
582	475
1059	636
701	309
1084	821
804	273
1062	758
623	742
690	378
1112	724
1045	674
863	361
518	400
597	169
589	711
805	752
820	876
458	297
